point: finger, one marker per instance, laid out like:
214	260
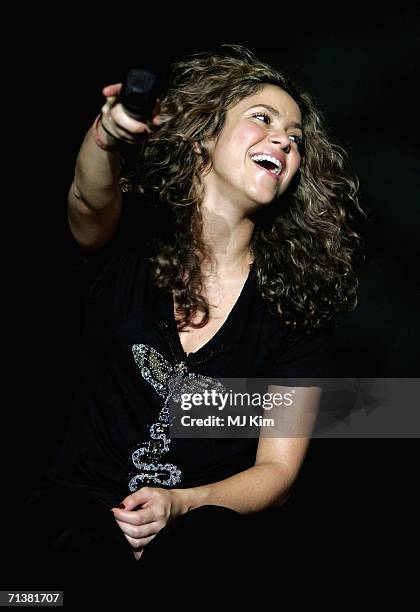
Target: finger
112	90
134	517
110	101
156	118
134	134
126	122
140	531
115	129
139	498
131	132
138	554
139	543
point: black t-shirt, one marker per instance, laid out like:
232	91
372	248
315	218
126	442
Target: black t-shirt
116	438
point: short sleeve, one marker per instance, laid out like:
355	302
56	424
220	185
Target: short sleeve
141	221
304	355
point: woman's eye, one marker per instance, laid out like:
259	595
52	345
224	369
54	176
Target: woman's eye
264	116
299	139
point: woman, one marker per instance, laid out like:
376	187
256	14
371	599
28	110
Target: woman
226	252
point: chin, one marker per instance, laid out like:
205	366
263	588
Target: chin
265	197
258	203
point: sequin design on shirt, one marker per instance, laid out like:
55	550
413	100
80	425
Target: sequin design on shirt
170	382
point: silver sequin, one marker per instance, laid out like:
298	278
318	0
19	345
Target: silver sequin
169	382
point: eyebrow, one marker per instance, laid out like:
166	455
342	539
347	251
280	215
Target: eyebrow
276	113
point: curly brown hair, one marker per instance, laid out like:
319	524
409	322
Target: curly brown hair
304	251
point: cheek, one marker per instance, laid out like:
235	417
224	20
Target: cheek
251	134
244	137
295	163
234	147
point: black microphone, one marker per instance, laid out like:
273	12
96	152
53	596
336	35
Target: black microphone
139	93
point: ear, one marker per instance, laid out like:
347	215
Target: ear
209	145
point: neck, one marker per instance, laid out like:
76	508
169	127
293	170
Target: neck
228	234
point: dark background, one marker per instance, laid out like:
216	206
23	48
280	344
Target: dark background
363	72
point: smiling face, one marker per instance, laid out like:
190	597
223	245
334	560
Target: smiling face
256	156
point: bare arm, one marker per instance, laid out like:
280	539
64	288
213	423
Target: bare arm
95	195
267	484
278	461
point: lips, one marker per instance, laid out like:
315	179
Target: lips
274	154
276	177
269	163
269	171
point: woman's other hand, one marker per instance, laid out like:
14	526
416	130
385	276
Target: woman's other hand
145	513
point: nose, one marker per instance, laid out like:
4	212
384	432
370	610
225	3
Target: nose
283	141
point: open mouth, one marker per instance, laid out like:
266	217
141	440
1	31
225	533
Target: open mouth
269	163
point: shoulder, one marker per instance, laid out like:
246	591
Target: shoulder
304	353
127	253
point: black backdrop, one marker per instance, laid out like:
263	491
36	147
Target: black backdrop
362	72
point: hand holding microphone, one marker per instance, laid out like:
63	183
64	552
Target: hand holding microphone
131	108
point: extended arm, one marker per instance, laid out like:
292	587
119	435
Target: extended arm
95	195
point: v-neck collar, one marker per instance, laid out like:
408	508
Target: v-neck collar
215	345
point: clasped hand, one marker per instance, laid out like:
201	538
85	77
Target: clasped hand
141	524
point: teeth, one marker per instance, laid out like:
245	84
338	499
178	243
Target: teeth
269	158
